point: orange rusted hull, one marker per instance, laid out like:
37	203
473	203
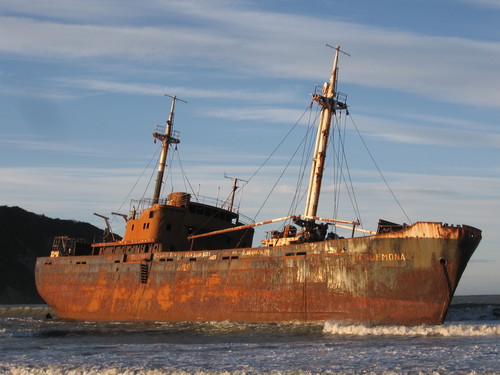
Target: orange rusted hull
405	277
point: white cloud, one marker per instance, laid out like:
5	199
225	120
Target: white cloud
72	41
156	90
74	10
273	44
76	193
265	114
50	146
424	133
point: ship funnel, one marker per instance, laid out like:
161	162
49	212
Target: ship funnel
179	199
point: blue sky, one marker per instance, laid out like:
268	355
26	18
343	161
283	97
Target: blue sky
83	84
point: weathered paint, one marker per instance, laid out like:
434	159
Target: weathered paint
167	268
404	277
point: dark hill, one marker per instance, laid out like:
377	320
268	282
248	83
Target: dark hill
23	237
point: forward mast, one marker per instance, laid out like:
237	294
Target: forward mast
329	105
312	231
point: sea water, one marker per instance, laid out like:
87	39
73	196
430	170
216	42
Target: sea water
468	343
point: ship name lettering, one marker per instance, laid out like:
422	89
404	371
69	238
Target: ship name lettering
379	257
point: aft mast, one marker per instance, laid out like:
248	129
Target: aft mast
168	138
329	105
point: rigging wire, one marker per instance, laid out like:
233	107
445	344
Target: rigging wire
306	156
276	183
338	164
379	171
269	157
150	177
276	148
126	199
341	176
186	180
183	172
169	176
187	184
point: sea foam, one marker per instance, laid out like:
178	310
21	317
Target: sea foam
445	330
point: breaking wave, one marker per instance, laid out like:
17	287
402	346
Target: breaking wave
98	370
470	316
445	330
30	344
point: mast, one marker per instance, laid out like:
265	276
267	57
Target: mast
166	139
233	191
329	105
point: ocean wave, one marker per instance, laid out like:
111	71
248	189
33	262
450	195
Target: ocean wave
25	311
473	311
99	370
445	330
82	370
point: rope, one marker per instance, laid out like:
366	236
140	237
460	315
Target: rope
183	172
349	186
276	148
270	156
137	181
379	171
306	156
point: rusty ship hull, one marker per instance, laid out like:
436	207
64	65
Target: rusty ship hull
184	259
405	277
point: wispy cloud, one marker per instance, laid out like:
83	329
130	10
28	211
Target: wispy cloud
426	133
266	114
74	10
52	147
495	4
424	130
448	69
156	89
73	41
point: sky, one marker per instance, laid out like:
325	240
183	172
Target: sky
83	84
